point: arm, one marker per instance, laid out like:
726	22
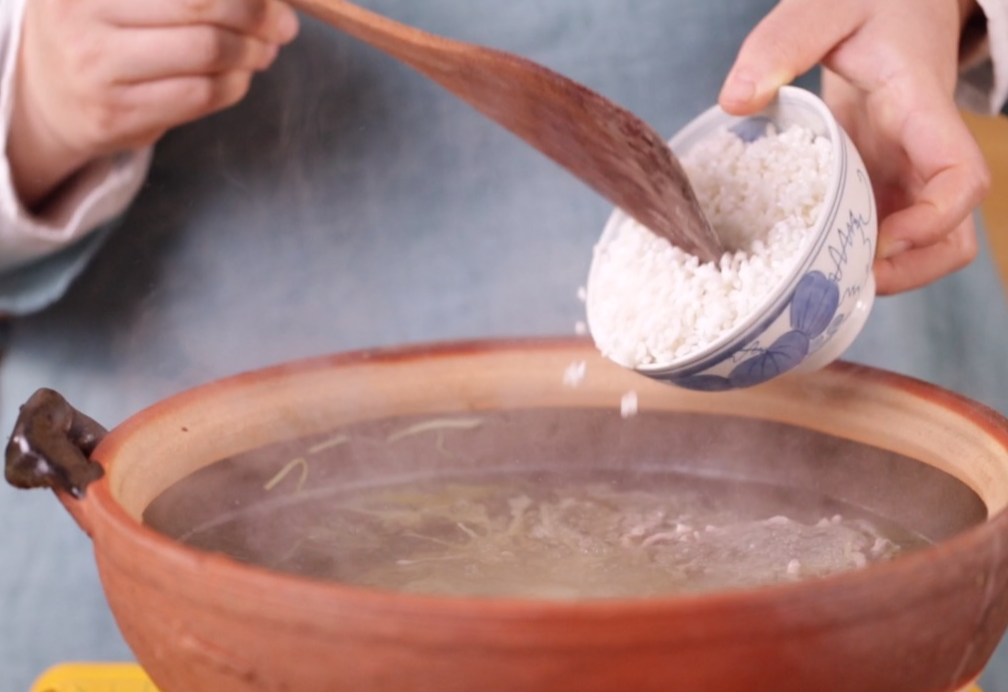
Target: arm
890	75
89	85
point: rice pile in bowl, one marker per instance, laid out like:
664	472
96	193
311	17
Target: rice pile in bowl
650	303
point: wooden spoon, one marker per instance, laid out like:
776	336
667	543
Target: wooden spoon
606	146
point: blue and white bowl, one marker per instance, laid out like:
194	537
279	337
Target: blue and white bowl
813	315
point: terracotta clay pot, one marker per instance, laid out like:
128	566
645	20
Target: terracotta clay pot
925	621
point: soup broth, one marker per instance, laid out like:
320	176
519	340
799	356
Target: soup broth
443	520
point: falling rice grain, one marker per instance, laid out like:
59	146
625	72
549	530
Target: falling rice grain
628	404
574	374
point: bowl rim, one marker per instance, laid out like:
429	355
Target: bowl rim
110	521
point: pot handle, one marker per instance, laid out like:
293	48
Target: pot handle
51	445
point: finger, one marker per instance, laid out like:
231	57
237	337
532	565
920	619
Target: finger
789	41
921	266
943	154
271	21
148	109
159	53
949	197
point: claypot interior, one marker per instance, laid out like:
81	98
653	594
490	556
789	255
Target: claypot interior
848	434
261	505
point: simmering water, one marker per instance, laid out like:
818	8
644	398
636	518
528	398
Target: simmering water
414	505
537	536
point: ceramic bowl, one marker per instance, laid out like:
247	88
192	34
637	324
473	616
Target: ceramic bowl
201	621
811	318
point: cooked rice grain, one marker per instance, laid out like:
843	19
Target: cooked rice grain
651	303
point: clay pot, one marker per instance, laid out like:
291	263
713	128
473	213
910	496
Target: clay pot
925	621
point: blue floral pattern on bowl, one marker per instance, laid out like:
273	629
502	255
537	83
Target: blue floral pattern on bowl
812	311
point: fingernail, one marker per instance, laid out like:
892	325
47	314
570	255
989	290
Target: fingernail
894	248
738	89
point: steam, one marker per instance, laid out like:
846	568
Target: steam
401	503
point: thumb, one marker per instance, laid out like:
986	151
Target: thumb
792	39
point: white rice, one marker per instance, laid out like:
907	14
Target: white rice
574	374
628	404
651	303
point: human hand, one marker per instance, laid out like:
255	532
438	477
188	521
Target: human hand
96	77
890	70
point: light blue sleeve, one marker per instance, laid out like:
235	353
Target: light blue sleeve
34	286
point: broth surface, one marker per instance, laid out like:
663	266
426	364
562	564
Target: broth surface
464	505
